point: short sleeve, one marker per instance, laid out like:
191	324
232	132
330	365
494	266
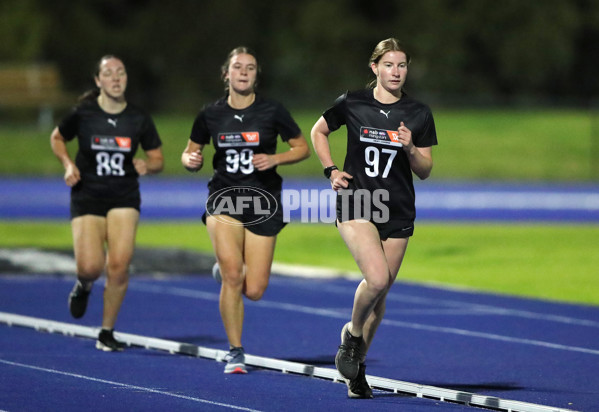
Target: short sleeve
427	136
69	125
199	131
336	114
149	137
286	126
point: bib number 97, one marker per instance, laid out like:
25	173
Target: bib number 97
372	157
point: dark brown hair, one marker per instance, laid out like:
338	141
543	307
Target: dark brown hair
92	94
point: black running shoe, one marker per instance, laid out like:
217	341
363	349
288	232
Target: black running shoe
349	354
107	342
78	300
358	388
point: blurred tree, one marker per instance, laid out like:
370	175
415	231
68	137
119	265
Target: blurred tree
313	50
23	29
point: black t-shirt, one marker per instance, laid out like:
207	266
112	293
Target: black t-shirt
373	158
107	145
239	134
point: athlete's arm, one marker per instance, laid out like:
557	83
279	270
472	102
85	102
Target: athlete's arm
298	151
154	162
59	148
191	157
421	161
320	140
421	158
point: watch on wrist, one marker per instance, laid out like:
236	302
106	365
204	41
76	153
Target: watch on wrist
329	170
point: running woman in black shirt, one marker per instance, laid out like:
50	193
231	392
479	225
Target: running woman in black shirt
105	198
389	137
243	212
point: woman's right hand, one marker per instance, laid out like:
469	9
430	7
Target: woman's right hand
339	179
193	161
72	175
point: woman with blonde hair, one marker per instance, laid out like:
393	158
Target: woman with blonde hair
390	136
243	212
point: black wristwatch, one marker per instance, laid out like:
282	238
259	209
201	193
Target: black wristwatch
329	170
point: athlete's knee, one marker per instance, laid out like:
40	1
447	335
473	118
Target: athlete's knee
118	279
232	275
255	292
118	269
378	285
89	270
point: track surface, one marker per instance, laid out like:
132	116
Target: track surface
175	198
526	350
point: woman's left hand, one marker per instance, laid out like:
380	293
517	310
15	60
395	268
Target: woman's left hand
140	166
262	161
405	137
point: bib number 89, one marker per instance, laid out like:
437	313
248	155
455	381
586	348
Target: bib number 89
110	165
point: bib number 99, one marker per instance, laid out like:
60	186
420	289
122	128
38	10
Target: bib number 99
240	161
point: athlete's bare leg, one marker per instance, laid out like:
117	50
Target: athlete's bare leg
244	260
379	263
395	250
258	254
89	235
363	242
121	228
228	239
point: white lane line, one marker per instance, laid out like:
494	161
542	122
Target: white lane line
475	308
418	390
333	313
490	336
124	385
510	200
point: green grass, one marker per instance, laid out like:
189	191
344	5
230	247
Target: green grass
546	261
551	262
485	144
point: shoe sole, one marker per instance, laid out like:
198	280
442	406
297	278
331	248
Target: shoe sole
105	348
354	395
237	370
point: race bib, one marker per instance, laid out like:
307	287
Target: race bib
238	139
111	143
380	136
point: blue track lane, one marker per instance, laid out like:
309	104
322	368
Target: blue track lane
519	349
309	200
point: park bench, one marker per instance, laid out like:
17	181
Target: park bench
33	87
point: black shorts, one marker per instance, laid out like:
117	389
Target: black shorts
388	226
258	211
395	230
270	227
86	205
